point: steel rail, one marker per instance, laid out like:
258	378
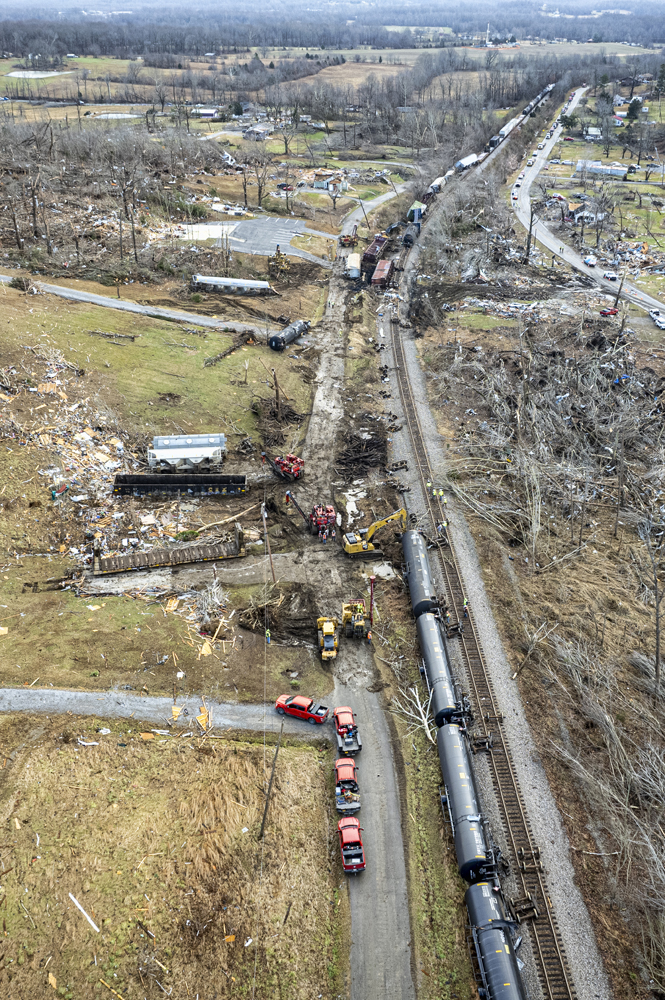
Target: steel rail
551	962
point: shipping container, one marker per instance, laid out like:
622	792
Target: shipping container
383	273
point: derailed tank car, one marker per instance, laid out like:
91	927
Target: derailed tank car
411	234
278	341
476	858
493	940
437	668
418	574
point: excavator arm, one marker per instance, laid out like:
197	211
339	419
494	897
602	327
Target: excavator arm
397	515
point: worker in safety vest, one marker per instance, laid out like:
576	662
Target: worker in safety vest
268	636
466	608
369	638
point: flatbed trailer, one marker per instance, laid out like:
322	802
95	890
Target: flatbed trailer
177	555
212	484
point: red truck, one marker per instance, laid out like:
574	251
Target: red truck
346	731
301	708
351	845
347	795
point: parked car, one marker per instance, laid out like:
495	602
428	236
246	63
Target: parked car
591	261
529	163
301	708
514	196
654	314
660	323
351	845
518	184
555	160
610	275
568	138
609	312
540	145
520	176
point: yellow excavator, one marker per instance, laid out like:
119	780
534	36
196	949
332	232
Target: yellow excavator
359	544
328	637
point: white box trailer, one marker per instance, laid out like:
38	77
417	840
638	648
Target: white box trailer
187	451
231	286
466	162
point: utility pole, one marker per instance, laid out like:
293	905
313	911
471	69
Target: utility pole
272	776
618	295
267	538
532	216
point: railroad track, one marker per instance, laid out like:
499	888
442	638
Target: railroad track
534	903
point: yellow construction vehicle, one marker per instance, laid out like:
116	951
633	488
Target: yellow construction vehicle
278	263
353	620
359	544
328	637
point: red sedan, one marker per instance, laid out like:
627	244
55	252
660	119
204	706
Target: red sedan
609	312
351	845
301	708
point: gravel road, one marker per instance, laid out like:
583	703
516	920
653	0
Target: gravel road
118	705
577	932
381	934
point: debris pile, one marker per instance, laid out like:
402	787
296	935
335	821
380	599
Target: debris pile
289	615
362	450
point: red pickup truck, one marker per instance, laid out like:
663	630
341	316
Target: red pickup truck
351	845
301	708
347	797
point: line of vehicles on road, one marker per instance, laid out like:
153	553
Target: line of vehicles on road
478	857
347	792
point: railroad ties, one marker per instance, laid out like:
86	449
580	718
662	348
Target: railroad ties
534	903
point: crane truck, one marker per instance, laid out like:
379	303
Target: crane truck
322	516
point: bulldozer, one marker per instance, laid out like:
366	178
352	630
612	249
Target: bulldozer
278	263
353	620
359	544
328	637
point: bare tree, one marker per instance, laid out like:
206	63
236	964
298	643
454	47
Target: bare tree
656	555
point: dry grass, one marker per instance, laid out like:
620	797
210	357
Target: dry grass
157	840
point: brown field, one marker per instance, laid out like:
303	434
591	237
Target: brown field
157	840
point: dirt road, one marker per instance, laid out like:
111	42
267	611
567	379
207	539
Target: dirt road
381	934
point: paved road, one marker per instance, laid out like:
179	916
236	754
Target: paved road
135	307
554	243
381	933
357	216
119	705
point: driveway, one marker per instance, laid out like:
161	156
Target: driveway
554	244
